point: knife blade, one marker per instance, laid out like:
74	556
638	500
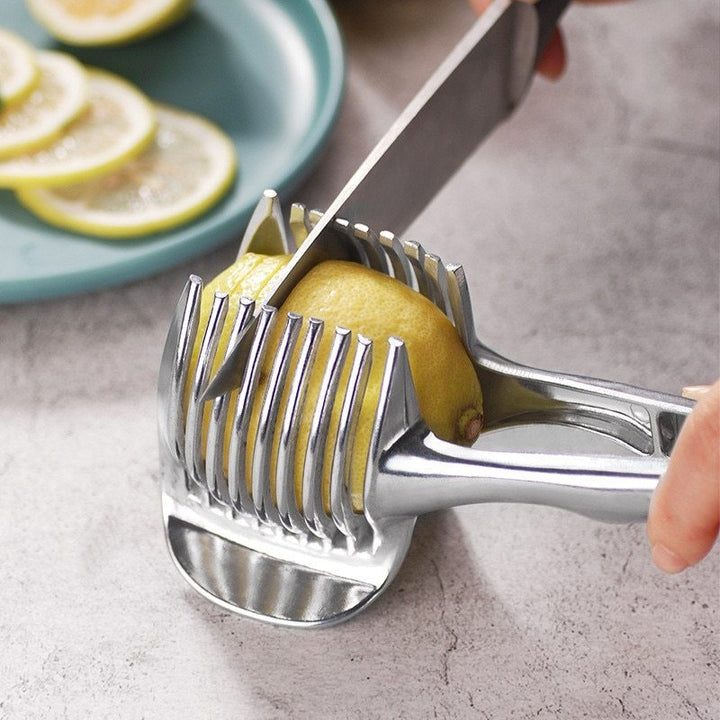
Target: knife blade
473	90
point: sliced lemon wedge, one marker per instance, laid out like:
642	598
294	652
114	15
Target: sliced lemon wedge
19	71
107	22
185	170
60	96
117	125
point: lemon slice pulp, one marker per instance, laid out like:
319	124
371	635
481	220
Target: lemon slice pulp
18	68
185	170
60	96
117	124
106	22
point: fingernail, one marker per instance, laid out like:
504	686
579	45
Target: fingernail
666	560
694	392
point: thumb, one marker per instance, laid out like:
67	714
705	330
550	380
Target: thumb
685	508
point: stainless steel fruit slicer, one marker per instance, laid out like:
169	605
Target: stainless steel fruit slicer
589	446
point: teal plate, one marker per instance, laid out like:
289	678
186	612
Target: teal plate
270	73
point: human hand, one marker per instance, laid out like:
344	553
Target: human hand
685	508
552	61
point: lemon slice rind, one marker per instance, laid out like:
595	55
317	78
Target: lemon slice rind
186	170
59	97
19	72
93	24
118	124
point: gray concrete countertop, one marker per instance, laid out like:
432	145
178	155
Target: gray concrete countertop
589	227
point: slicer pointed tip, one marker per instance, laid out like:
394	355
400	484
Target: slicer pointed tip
266	233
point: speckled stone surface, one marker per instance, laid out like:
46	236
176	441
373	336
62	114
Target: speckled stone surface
589	226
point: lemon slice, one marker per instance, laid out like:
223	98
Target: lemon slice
185	170
106	22
117	124
61	95
18	68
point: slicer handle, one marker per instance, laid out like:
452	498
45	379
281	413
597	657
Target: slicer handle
421	473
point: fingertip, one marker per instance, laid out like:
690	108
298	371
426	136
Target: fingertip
666	560
552	61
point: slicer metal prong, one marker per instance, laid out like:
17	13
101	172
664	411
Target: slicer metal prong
416	256
266	233
341	507
261	487
437	276
216	476
398	259
208	348
175	366
313	502
371	245
299	222
287	501
237	482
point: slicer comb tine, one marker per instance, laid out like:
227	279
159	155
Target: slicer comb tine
216	477
315	215
347	521
416	255
194	464
266	233
459	298
174	368
287	501
299	222
368	239
398	259
258	340
437	276
343	227
317	520
261	486
397	410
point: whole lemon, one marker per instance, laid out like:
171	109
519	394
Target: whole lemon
368	303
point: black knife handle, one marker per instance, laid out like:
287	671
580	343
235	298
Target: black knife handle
549	12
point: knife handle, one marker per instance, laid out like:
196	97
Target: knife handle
549	12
